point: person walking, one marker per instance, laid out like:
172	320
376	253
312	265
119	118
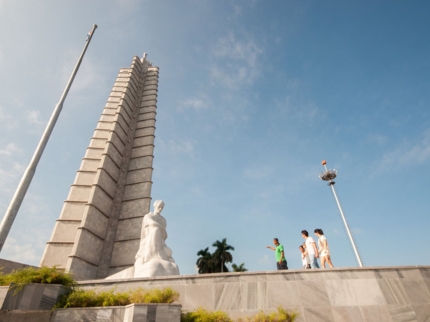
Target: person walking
281	262
323	249
305	258
311	249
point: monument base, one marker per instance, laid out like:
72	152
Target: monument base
340	294
149	269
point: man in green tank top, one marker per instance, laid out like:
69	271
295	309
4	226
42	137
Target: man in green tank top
281	262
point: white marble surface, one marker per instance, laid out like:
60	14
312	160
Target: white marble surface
349	294
154	258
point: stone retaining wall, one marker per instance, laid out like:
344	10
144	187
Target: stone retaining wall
129	313
347	294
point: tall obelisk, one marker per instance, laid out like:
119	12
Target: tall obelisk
98	231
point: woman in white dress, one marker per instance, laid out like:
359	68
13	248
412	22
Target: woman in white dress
323	249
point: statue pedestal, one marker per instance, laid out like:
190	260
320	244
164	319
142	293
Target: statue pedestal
154	267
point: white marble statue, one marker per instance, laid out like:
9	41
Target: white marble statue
154	258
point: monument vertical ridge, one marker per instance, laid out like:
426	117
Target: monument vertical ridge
98	231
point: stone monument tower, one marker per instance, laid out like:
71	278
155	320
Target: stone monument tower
98	231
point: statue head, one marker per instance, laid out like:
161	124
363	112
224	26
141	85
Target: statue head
158	206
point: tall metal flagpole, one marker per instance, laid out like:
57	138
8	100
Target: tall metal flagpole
329	175
20	192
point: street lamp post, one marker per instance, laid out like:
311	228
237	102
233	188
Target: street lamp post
329	175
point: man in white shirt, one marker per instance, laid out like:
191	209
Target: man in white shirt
311	249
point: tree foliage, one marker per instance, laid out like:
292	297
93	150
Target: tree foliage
215	262
240	268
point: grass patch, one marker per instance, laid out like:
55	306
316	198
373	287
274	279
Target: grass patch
281	315
91	298
43	275
202	315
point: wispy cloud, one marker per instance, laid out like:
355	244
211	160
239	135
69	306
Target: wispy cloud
377	139
408	154
183	146
237	62
6	119
88	76
1	52
20	252
357	231
195	103
10	149
33	117
237	10
258	172
10	173
299	109
264	260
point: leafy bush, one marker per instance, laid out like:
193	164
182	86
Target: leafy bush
155	295
90	298
42	275
202	315
281	315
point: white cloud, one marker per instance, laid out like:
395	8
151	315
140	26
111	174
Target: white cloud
1	55
10	174
357	231
179	146
238	10
19	252
194	103
10	149
257	172
87	78
299	109
378	139
33	117
408	154
6	119
264	260
237	63
3	114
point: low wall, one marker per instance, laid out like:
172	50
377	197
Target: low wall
32	297
8	266
347	294
129	313
25	316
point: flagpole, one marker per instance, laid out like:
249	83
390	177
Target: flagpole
20	192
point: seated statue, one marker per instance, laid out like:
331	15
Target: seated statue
154	258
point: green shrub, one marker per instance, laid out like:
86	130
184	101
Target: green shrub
43	275
281	315
202	315
155	295
90	298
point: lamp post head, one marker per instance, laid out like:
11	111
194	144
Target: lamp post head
327	175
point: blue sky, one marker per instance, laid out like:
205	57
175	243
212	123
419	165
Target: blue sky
252	96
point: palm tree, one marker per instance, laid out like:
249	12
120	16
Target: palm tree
204	262
240	268
222	254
